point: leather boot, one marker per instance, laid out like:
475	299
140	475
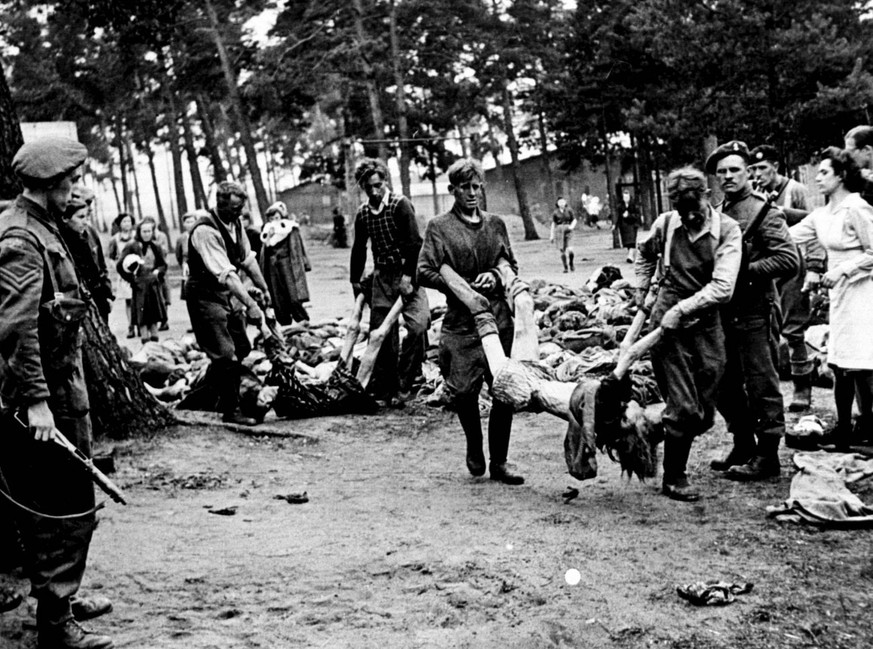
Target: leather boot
502	473
499	430
675	484
742	451
763	466
570	259
236	417
564	261
70	635
468	415
802	398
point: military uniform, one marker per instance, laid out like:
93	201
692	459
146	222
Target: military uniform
42	360
750	398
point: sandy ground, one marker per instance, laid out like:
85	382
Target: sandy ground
399	547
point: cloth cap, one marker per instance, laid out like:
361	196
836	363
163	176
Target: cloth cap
48	157
734	147
765	152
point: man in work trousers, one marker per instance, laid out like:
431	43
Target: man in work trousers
471	242
42	385
218	303
701	251
791	198
387	220
750	399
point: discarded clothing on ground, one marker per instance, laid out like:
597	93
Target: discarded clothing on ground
716	593
818	492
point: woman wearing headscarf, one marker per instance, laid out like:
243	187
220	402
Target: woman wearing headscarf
284	264
845	228
143	265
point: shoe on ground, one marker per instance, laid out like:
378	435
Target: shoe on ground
164	327
87	608
737	457
131	333
802	399
681	491
476	464
759	468
238	418
71	635
502	473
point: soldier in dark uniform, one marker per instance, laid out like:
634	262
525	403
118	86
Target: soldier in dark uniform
750	399
42	384
218	303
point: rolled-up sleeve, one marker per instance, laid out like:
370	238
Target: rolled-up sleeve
207	241
728	257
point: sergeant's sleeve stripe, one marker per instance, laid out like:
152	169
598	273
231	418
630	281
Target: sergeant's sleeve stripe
9	277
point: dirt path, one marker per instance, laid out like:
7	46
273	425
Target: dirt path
399	547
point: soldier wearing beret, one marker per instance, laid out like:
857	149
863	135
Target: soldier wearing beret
791	198
749	398
218	303
42	386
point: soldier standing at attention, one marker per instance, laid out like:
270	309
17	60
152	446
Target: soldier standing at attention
43	386
750	399
791	198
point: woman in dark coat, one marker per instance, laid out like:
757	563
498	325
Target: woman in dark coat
142	263
628	223
284	264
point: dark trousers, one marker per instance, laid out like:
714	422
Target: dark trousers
42	477
796	314
396	370
221	333
688	365
749	398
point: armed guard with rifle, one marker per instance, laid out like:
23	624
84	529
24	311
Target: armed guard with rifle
42	384
749	397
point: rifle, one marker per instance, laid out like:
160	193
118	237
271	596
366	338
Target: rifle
100	479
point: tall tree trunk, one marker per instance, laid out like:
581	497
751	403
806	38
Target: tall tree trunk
433	183
530	228
610	187
162	219
243	122
132	162
462	138
226	136
113	183
494	148
122	163
10	141
175	150
369	82
121	407
400	103
546	157
218	172
191	153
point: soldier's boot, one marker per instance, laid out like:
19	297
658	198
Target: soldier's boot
802	398
499	429
743	450
675	483
468	414
570	259
564	261
71	635
763	466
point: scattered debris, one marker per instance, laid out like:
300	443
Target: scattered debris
572	493
294	498
224	511
716	593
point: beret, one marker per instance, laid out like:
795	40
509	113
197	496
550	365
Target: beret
765	152
734	147
48	157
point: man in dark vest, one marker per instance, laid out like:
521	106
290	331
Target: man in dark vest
387	220
42	392
700	251
750	398
218	303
